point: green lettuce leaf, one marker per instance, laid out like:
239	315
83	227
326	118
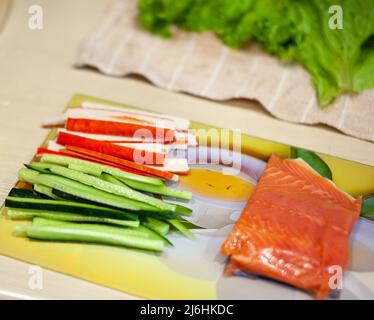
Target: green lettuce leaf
338	60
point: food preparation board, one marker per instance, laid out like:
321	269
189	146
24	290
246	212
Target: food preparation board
192	269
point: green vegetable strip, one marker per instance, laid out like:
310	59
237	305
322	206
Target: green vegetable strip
46	191
313	160
93	233
162	190
61	160
22	193
179	209
140	231
22	214
85	169
180	227
68	207
83	191
70	197
110	187
153	234
182	210
158	226
38	166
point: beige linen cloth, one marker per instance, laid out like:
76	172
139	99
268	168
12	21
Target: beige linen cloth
4	8
201	65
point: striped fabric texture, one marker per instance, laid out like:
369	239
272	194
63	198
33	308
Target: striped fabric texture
201	65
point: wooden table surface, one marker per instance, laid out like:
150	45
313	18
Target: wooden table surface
37	78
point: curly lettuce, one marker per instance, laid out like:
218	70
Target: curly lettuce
339	60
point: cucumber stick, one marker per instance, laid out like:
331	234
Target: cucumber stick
81	190
70	197
162	190
110	187
26	214
39	166
85	169
182	210
68	207
22	193
179	209
140	231
180	227
158	226
47	191
43	229
88	165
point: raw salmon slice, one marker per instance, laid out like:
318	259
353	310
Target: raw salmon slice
294	228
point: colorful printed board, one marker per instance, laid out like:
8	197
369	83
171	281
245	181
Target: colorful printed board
192	269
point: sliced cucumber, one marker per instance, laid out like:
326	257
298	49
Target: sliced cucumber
161	215
158	226
68	207
182	210
39	166
156	235
109	187
43	229
177	224
162	190
26	214
81	190
95	166
140	231
70	197
47	191
22	193
179	209
158	215
83	168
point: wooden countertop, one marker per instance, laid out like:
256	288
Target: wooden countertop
37	79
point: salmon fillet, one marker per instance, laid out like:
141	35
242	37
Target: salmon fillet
294	228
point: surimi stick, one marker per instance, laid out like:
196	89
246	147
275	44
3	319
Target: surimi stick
104	147
115	160
180	123
90	110
45	150
80	113
119	129
112	138
54	146
180	143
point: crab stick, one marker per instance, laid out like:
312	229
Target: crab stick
147	157
148	144
155	171
179	122
80	113
119	129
